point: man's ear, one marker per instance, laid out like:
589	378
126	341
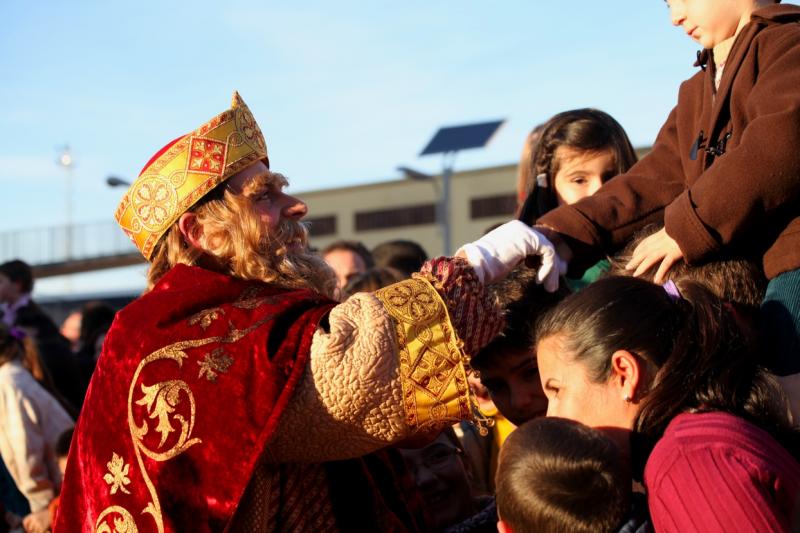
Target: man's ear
503	527
191	230
626	372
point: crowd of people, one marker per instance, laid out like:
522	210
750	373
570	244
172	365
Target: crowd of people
622	357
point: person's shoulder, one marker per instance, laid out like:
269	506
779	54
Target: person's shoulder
695	439
777	14
14	372
700	430
778	33
692	87
16	381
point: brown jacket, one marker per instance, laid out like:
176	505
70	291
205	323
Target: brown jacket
724	172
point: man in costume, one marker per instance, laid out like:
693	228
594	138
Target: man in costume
235	394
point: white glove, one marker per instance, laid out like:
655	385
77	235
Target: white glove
496	254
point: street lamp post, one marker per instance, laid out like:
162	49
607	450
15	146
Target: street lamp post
449	141
66	162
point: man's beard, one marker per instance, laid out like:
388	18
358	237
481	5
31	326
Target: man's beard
285	249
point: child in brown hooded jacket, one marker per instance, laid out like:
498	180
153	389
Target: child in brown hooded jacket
724	172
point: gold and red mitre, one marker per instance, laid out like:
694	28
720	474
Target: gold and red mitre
185	170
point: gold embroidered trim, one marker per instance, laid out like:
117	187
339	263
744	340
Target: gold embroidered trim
431	362
186	171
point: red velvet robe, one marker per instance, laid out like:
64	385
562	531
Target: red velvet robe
192	381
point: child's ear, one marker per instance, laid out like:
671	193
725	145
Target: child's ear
503	527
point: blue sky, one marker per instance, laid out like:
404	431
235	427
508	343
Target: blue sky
344	91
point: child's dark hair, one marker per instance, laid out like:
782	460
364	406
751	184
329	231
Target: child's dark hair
18	272
556	474
403	255
589	130
522	300
357	247
372	280
16	345
739	281
690	347
13	344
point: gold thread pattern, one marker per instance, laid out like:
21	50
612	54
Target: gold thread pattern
431	362
206	156
196	163
214	363
117	475
163	402
253	297
206	317
124	523
154	201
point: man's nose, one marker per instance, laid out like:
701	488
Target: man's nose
295	208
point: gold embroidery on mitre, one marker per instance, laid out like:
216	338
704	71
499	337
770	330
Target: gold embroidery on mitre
432	372
186	171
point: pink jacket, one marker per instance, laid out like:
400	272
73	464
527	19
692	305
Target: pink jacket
717	472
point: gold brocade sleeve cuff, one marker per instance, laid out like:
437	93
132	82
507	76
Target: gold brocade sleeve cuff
432	363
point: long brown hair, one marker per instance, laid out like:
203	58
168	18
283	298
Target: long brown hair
587	130
691	346
17	345
238	244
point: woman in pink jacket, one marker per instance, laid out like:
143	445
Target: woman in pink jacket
666	372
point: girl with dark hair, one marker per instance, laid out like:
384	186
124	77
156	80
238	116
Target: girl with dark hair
668	367
570	158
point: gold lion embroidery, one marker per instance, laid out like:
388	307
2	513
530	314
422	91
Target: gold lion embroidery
214	363
206	317
117	475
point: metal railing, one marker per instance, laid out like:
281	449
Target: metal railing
60	244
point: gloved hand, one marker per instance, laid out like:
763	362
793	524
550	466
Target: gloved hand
496	254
